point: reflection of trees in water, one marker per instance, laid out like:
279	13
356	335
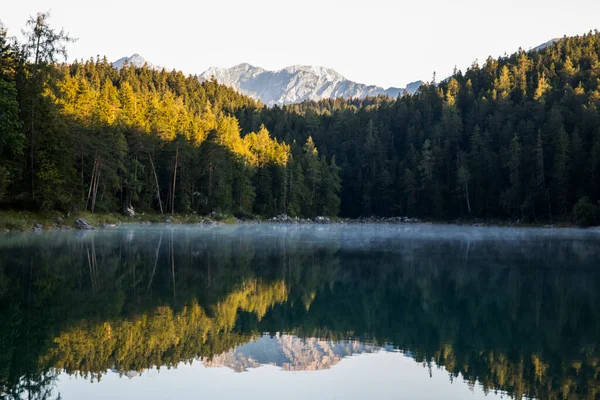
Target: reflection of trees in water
33	386
512	314
531	328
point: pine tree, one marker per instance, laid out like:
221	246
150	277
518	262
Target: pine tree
12	140
463	180
312	175
298	192
328	202
43	45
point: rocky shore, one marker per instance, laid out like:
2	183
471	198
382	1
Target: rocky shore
283	218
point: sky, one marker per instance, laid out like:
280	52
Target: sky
386	43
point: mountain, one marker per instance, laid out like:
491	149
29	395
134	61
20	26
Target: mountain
293	84
544	45
297	83
136	60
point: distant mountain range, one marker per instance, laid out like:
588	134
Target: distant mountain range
289	85
297	83
293	84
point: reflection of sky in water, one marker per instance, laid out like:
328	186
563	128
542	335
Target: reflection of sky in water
381	375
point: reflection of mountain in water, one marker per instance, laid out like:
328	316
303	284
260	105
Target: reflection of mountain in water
290	353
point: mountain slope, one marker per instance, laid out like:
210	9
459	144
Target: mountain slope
297	83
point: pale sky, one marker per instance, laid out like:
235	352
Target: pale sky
386	43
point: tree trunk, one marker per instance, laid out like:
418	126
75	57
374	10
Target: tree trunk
467	196
95	189
549	203
31	150
174	181
82	180
31	155
155	262
157	186
210	176
91	184
285	185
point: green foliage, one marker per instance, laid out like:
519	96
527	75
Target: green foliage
12	139
517	137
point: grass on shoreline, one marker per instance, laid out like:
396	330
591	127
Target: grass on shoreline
27	220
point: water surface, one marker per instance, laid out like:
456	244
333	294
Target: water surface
300	311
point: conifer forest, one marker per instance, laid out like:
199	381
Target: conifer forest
514	138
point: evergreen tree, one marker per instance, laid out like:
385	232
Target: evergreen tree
311	167
43	46
12	140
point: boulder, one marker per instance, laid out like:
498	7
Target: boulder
281	218
37	227
322	220
216	215
129	211
82	224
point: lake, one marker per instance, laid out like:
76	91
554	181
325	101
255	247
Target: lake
300	311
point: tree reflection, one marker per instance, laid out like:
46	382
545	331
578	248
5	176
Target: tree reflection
520	316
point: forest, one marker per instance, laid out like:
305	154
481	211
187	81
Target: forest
516	138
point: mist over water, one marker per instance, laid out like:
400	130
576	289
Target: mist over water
513	311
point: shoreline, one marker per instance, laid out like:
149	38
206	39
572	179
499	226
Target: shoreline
25	221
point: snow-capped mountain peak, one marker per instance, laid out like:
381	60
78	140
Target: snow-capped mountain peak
296	83
136	60
320	72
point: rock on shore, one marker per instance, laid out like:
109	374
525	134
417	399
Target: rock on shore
83	224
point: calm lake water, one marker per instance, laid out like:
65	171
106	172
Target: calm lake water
298	312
